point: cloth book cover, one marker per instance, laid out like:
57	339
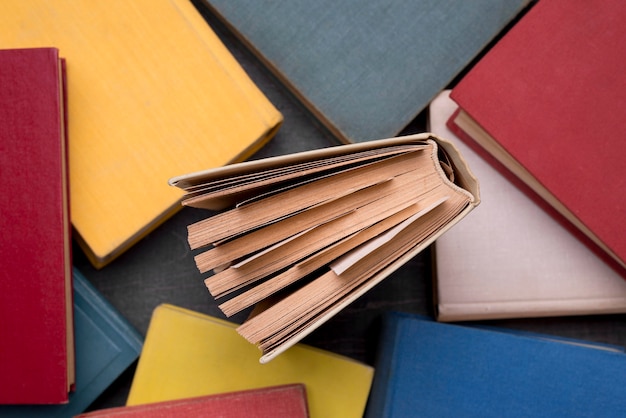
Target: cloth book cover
268	402
301	236
431	369
106	345
511	259
189	354
153	92
366	69
36	330
546	105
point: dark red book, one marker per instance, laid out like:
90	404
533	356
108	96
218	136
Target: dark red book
36	327
268	402
547	105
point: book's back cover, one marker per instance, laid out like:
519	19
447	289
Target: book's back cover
552	93
366	69
36	349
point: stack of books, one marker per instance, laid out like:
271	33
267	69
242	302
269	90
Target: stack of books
103	102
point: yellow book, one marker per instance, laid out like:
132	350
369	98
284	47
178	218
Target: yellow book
187	354
152	92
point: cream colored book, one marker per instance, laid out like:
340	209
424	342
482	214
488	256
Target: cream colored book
510	259
152	92
301	236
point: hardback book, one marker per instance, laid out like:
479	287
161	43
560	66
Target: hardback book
266	402
301	236
544	106
106	346
366	69
510	259
36	329
152	92
432	369
189	354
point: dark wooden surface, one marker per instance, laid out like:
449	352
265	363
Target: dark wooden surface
160	268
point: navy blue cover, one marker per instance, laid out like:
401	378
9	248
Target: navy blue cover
431	369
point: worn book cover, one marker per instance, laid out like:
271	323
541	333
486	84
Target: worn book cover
188	354
511	259
366	69
546	106
36	329
152	92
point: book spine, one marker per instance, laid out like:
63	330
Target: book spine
377	406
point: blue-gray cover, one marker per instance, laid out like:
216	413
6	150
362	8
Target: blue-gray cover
431	369
367	68
105	346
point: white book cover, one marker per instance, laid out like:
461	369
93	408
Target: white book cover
509	259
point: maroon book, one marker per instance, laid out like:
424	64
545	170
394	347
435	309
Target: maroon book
546	106
36	326
268	402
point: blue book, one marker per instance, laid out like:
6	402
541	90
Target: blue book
106	345
366	69
431	369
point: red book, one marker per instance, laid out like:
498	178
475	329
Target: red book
269	402
36	327
547	105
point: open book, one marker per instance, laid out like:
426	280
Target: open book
301	236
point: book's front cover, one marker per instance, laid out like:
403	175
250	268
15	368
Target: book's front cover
189	354
366	69
36	364
552	93
430	369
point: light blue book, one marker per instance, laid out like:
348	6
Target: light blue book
366	68
106	345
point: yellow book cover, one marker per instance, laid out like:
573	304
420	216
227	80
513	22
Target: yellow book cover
187	354
152	92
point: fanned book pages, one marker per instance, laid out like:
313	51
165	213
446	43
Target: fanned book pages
301	236
152	92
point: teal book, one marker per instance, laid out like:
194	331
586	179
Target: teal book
432	369
366	69
106	345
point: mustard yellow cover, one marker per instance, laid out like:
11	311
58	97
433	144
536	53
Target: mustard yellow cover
188	354
152	93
